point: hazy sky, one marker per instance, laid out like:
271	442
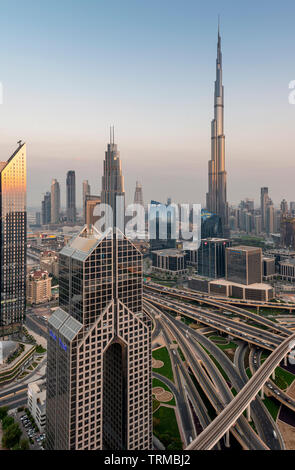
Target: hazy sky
71	68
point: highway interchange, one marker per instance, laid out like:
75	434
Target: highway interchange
245	415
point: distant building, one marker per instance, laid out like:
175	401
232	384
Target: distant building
55	202
138	196
243	264
255	291
268	268
91	202
169	261
211	257
211	225
49	262
37	402
38	287
46	209
71	197
287	270
288	232
162	221
85	192
38	219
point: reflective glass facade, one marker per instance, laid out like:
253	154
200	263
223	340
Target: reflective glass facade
13	239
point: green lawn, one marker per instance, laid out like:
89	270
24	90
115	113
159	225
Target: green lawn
248	371
158	383
283	378
272	406
165	426
163	355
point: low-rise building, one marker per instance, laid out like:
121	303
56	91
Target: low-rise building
268	268
287	269
37	402
49	262
256	291
169	261
38	287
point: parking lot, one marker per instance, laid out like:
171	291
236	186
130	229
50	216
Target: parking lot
29	431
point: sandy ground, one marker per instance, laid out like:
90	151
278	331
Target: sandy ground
162	395
291	390
288	433
157	364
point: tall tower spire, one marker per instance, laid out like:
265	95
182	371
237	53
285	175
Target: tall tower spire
216	196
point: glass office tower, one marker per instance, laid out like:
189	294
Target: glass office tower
99	372
13	240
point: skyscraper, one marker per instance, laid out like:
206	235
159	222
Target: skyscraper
71	197
216	196
13	239
99	373
85	192
46	209
55	201
138	196
113	183
263	205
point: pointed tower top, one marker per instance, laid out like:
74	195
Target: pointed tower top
112	135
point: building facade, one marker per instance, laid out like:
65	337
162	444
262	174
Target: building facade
99	373
37	402
211	257
169	262
85	192
55	202
216	199
46	209
71	197
244	264
13	236
38	287
113	192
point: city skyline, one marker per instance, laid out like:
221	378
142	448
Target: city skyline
169	104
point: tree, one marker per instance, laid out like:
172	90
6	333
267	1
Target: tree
24	444
6	422
3	412
11	436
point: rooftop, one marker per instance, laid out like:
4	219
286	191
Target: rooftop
244	248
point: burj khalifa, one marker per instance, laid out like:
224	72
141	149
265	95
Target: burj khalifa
216	197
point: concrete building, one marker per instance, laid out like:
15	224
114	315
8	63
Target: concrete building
90	204
268	268
263	205
170	261
255	291
38	287
99	366
216	198
287	269
288	232
71	197
55	201
49	262
13	221
244	264
37	402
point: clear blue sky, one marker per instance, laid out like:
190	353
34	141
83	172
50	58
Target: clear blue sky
71	68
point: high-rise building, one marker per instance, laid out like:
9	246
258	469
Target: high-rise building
38	219
270	218
162	221
90	203
85	192
99	372
284	207
263	205
113	184
46	209
216	196
138	196
288	232
211	257
243	264
55	201
71	197
13	240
